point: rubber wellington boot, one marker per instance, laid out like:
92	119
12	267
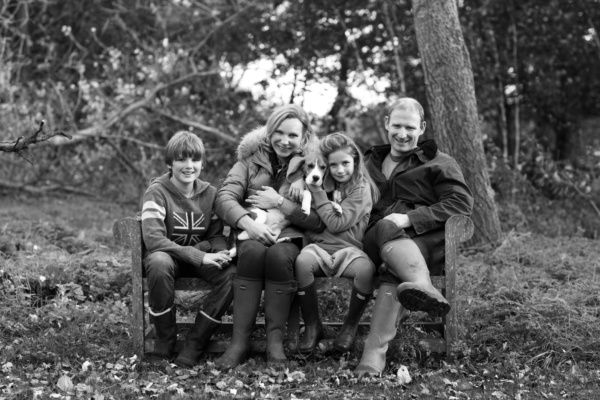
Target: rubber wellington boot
358	303
278	299
197	340
246	299
382	330
422	297
165	329
309	305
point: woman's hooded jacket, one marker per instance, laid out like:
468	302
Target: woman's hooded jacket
256	167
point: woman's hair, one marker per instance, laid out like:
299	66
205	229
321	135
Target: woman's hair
288	111
407	103
339	141
184	144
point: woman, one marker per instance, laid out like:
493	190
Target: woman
264	263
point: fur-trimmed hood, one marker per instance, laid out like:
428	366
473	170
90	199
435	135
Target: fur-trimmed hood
257	139
251	142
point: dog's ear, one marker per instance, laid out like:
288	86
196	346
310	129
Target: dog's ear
295	171
328	183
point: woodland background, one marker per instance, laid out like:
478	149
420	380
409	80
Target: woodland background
120	77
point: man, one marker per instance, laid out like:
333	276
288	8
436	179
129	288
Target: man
421	188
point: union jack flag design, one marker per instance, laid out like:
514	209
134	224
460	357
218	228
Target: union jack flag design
187	228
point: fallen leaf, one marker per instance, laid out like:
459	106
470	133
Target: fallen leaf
65	384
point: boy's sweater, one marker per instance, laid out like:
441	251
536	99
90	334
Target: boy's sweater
180	226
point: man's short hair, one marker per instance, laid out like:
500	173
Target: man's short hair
184	144
407	103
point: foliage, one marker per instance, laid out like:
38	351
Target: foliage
528	313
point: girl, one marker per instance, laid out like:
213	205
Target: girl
337	251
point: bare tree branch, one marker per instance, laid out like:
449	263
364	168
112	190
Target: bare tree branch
97	130
198	125
22	144
28	187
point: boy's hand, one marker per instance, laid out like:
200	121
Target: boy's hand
296	190
218	260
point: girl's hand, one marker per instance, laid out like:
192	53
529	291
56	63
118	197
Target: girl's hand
401	220
296	191
217	259
260	232
265	198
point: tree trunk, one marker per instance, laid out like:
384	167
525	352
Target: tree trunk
451	96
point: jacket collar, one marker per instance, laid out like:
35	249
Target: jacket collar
426	151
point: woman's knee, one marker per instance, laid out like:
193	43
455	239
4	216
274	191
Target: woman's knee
279	261
251	259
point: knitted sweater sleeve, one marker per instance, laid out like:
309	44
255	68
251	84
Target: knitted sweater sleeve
154	230
354	207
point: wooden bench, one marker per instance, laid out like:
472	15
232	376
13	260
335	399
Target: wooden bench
127	231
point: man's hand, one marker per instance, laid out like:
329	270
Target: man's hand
296	190
401	220
218	260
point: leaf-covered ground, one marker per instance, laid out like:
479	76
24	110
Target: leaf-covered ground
529	323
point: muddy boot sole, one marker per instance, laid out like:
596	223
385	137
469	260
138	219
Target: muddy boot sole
414	298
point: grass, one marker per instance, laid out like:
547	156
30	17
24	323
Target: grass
528	321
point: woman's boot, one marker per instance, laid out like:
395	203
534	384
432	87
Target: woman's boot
309	305
246	299
382	330
165	328
278	299
358	303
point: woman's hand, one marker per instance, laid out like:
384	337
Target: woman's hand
296	191
265	198
218	260
257	231
401	220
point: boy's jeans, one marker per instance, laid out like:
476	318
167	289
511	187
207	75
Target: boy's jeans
162	270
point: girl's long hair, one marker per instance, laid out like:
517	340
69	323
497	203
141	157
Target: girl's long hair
339	141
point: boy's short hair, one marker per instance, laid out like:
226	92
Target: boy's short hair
184	144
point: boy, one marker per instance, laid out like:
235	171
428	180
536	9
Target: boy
184	237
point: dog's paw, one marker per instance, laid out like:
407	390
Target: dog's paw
243	236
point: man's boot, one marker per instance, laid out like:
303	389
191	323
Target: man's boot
165	329
246	299
309	305
382	330
278	299
358	303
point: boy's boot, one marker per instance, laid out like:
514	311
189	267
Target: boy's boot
382	330
278	299
207	321
165	329
309	305
246	298
358	303
197	340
